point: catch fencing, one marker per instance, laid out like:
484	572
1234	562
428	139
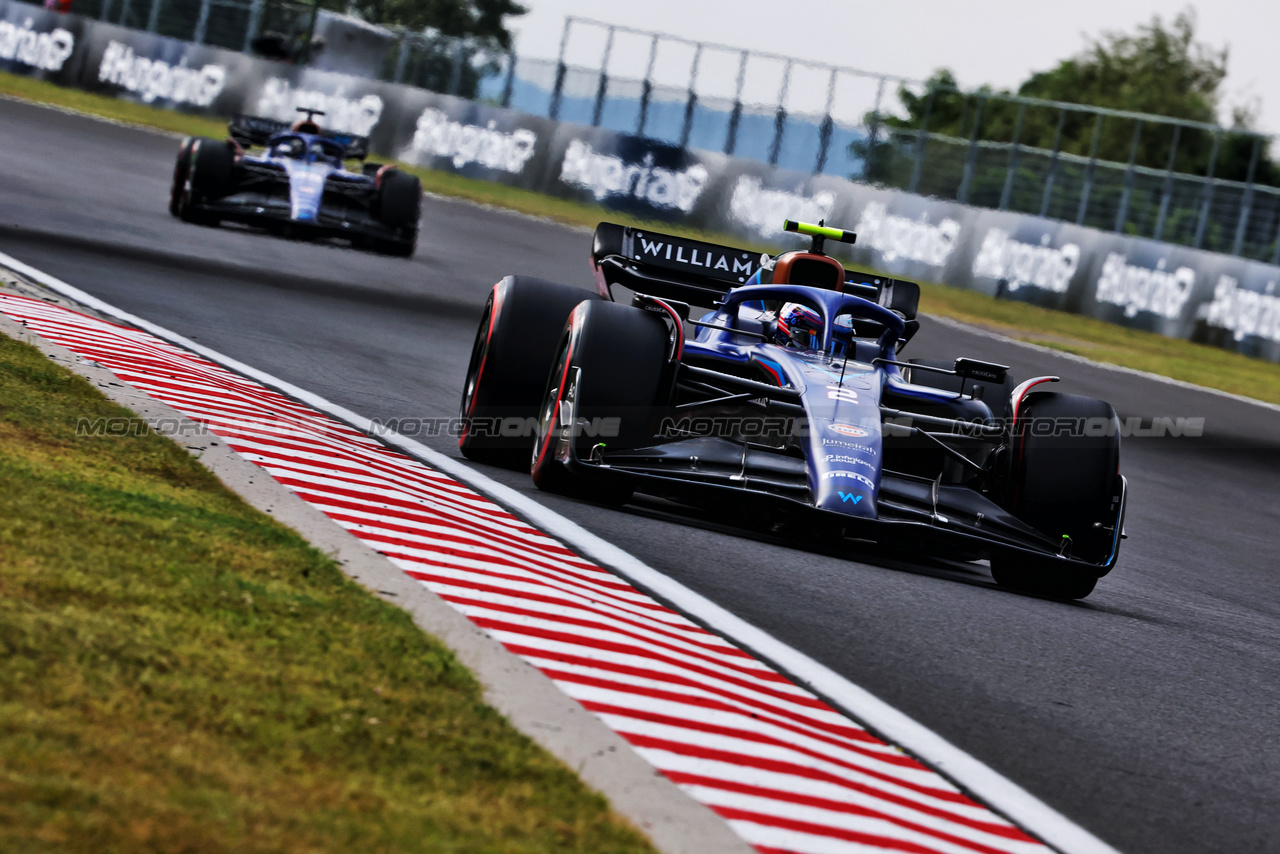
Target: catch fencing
815	117
1140	283
790	113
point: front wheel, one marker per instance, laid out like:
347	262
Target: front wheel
181	167
1064	482
397	203
210	175
395	248
606	390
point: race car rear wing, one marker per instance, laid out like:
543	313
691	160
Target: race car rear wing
256	130
701	273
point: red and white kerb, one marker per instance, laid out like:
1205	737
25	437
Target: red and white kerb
787	771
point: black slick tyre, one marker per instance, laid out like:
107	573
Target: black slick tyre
511	358
616	358
181	167
397	203
210	176
1065	468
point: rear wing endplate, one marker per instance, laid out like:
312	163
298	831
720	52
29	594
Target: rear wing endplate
256	130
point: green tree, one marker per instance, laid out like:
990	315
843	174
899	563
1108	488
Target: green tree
481	19
1160	69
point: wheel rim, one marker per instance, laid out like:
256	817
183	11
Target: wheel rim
551	404
479	351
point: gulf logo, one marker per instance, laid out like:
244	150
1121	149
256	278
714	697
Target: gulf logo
848	430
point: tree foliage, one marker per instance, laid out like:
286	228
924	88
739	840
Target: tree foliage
1160	69
482	19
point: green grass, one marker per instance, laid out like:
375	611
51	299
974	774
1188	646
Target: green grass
1109	342
1094	339
182	673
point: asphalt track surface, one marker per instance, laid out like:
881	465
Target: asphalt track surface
1149	713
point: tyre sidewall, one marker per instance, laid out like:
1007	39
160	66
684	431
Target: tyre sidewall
515	345
619	356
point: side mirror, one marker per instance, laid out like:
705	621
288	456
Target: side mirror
972	369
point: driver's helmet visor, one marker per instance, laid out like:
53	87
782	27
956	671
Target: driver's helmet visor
319	151
801	327
288	148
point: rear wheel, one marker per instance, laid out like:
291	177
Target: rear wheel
611	369
514	348
1063	483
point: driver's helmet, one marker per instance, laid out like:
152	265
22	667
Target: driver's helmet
799	326
319	151
289	147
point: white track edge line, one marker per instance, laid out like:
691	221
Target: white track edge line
1024	808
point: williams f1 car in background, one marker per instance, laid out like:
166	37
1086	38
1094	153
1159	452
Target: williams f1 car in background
788	402
297	185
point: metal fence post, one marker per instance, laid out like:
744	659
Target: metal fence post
602	87
1207	196
255	23
873	138
508	85
1246	205
153	18
1166	195
106	10
1089	172
1006	194
1275	253
971	161
1122	215
646	88
402	59
731	139
202	25
917	169
124	13
557	88
1053	164
455	72
827	126
691	104
780	116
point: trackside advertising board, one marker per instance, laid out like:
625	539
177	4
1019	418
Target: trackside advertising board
1185	293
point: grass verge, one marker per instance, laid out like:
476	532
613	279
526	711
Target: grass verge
1093	339
1109	342
182	673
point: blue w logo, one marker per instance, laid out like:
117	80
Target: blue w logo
849	496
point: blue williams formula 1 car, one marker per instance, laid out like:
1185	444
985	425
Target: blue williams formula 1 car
297	186
788	404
